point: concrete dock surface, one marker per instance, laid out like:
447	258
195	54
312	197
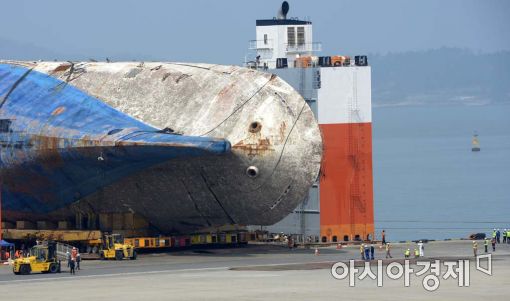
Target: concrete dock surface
262	272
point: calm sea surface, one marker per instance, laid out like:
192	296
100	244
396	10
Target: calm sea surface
427	181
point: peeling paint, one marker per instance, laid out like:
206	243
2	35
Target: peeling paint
56	161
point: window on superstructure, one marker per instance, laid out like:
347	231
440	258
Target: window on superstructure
291	36
265	39
301	36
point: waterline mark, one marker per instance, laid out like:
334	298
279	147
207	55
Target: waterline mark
431	270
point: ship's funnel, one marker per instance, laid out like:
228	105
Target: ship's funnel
282	12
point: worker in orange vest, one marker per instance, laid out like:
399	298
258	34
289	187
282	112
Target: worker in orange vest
74	253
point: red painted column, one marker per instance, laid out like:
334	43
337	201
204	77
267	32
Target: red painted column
346	184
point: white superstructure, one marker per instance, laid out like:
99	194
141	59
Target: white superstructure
283	39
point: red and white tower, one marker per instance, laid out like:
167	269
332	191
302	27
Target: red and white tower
345	118
338	90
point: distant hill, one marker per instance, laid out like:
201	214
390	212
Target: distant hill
441	76
13	50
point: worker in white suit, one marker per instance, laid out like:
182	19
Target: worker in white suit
420	248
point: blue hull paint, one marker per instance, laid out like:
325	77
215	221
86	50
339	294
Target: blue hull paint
59	144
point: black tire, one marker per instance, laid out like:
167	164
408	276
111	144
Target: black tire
24	269
337	63
53	268
102	256
134	255
119	255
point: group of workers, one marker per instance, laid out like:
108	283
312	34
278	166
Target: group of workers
496	235
6	255
496	239
419	251
73	260
14	253
367	251
485	244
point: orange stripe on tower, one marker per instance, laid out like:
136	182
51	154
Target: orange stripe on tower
346	184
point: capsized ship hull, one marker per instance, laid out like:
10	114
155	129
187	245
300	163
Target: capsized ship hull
185	146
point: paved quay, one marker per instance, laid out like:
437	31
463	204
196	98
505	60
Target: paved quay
258	273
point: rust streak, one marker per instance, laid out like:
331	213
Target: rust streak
259	147
225	90
61	68
58	111
283	129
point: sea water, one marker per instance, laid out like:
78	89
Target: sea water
428	184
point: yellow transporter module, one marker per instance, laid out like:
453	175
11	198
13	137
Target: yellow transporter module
199	239
231	238
149	242
42	259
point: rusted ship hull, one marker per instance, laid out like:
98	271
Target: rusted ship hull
184	146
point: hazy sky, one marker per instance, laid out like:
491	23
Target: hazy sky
218	31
